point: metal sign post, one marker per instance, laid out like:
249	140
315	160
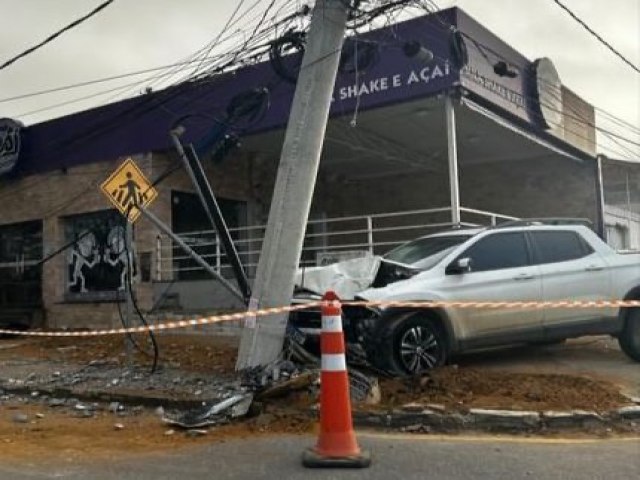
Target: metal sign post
128	316
129	190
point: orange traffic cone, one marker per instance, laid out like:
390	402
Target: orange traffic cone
337	445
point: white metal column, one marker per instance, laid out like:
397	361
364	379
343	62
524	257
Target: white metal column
600	200
452	149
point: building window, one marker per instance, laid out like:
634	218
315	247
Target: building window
21	242
20	267
190	221
96	259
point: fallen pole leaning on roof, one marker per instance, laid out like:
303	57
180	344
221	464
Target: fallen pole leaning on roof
194	169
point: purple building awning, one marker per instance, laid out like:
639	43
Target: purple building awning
141	124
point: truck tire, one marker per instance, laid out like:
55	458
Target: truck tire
411	344
629	338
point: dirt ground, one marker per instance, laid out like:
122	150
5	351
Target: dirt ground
62	436
194	353
464	388
457	388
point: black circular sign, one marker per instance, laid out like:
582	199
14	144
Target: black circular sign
548	93
9	144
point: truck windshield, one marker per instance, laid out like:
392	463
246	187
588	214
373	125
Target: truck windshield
422	250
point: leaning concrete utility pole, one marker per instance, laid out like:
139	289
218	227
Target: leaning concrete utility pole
262	340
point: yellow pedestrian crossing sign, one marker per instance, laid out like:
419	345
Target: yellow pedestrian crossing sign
128	188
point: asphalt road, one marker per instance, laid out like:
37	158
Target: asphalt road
395	457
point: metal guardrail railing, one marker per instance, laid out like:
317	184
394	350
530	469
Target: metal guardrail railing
326	239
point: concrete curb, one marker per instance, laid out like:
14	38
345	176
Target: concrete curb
110	396
412	417
630	413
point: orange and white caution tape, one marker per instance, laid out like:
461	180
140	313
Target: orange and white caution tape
172	325
227	317
498	305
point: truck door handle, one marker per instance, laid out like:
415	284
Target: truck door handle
523	276
594	268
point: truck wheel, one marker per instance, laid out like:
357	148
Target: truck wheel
629	338
412	344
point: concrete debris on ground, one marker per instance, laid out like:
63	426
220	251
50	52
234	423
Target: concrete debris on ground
213	414
364	388
261	383
196	395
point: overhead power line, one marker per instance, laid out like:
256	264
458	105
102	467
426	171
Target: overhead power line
160	100
574	115
595	34
191	60
98	80
215	41
55	35
247	51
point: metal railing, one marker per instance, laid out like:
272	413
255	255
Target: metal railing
326	239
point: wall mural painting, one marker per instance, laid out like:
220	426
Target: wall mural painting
97	260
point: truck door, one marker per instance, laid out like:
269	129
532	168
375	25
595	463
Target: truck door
501	271
571	270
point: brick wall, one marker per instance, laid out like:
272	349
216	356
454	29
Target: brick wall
55	195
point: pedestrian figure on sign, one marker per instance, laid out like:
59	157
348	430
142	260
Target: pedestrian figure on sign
129	194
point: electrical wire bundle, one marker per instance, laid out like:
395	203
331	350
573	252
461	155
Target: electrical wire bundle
256	29
129	269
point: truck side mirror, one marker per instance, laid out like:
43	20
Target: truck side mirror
461	265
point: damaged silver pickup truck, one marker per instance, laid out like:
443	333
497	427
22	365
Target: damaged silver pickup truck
520	262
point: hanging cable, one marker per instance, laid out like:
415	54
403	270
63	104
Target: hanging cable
128	276
97	81
289	41
596	35
52	37
215	41
140	108
483	49
133	341
248	52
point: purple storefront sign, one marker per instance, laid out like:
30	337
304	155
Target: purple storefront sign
393	78
141	124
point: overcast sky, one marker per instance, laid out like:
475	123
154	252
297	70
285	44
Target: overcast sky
135	34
